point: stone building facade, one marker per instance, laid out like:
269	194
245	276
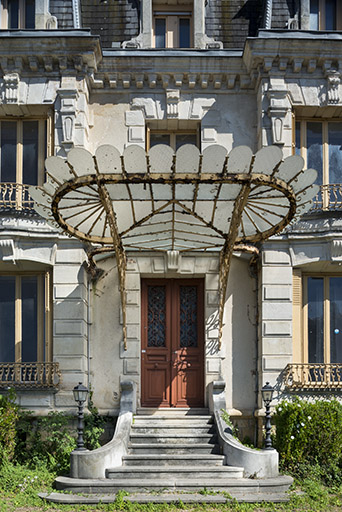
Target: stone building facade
117	72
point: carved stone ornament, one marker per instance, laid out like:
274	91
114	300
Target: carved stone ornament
7	250
172	102
333	86
10	88
277	112
173	260
336	250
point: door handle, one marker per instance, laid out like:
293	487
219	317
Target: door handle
156	365
188	365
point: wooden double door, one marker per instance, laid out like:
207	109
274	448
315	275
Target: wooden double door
172	343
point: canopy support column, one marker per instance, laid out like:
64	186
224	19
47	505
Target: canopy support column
227	251
119	254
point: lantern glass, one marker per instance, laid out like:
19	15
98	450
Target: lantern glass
267	393
80	393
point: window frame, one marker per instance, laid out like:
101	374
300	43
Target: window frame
173	134
171	26
322	16
21	15
303	121
44	314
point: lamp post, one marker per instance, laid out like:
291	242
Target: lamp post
267	395
80	395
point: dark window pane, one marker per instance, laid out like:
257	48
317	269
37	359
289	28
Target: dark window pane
297	136
188	316
30	152
159	138
7	319
336	319
185	138
29	291
160	31
314	14
330	14
13	13
156	316
315	319
315	149
335	152
184	33
30	14
8	151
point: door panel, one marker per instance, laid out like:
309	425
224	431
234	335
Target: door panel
172	343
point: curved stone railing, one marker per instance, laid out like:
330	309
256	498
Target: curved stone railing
256	463
93	464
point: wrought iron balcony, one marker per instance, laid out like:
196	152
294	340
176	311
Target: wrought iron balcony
15	196
313	376
329	198
29	375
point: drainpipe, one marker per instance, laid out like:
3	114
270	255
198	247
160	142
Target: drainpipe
88	328
268	14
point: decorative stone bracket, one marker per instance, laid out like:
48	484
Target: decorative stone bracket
10	88
278	109
333	86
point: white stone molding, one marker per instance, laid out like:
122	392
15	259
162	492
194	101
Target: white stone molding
76	12
173	260
279	107
199	106
333	86
67	114
336	250
7	250
10	89
172	102
148	106
51	23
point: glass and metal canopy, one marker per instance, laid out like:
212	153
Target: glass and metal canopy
165	201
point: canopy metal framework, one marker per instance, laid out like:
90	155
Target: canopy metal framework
165	201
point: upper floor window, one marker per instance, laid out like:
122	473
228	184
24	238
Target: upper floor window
18	14
22	154
320	144
325	15
172	28
175	139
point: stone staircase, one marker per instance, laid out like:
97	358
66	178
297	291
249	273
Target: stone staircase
173	450
172	455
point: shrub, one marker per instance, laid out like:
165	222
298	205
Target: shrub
93	426
309	438
8	418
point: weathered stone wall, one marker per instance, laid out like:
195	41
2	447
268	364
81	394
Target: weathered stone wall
231	21
114	21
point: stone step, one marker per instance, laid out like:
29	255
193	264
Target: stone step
160	460
171	437
233	486
168	429
173	419
171	448
148	472
179	411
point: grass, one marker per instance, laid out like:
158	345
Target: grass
19	487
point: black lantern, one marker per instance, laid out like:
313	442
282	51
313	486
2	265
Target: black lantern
80	395
267	395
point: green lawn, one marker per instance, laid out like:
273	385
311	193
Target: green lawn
20	487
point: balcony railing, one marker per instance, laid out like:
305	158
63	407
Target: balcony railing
15	196
328	198
29	375
313	376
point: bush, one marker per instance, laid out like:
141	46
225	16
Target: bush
8	418
93	426
309	438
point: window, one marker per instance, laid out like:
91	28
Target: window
22	154
25	321
325	15
172	29
18	14
175	139
320	144
317	331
